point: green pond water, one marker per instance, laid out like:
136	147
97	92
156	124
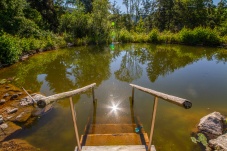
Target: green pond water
195	73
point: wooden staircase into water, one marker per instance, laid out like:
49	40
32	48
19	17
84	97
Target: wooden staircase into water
114	137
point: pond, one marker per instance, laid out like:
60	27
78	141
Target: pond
198	74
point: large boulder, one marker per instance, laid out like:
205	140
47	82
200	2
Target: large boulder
219	143
212	125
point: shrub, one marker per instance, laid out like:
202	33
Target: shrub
153	36
168	37
35	44
200	35
139	37
187	36
25	44
125	36
10	49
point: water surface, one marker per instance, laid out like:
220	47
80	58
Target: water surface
195	73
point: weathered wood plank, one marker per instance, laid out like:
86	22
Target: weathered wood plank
116	148
170	98
114	139
112	128
50	99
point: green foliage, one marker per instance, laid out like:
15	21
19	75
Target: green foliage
187	37
10	49
199	35
153	36
27	28
201	139
125	36
140	26
194	140
9	11
25	45
139	37
169	37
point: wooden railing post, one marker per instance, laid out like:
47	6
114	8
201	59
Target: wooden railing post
74	123
132	95
93	94
153	121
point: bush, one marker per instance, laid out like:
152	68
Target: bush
200	35
25	45
153	36
168	37
125	36
187	37
139	37
10	49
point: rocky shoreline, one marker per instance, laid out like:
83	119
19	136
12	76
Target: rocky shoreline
212	132
17	112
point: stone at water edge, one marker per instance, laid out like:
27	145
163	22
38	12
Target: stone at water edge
212	125
7	129
1	119
219	143
2	101
17	145
12	110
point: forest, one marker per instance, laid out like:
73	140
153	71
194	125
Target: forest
28	25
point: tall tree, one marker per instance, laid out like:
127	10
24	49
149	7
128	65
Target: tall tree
87	5
48	12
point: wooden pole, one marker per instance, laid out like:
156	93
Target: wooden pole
153	121
93	94
172	99
74	123
132	95
47	100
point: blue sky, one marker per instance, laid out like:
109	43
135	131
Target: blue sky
119	3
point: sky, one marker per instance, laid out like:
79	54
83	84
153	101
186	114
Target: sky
123	8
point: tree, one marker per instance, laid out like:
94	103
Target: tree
9	11
87	5
48	12
99	20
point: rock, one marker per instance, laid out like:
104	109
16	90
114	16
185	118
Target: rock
24	57
23	117
20	93
1	119
212	125
12	128
5	95
10	111
70	44
14	96
2	101
17	145
219	143
4	126
7	87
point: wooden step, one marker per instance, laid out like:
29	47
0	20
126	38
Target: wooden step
112	128
116	148
114	139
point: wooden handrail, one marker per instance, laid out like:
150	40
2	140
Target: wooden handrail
170	98
50	99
